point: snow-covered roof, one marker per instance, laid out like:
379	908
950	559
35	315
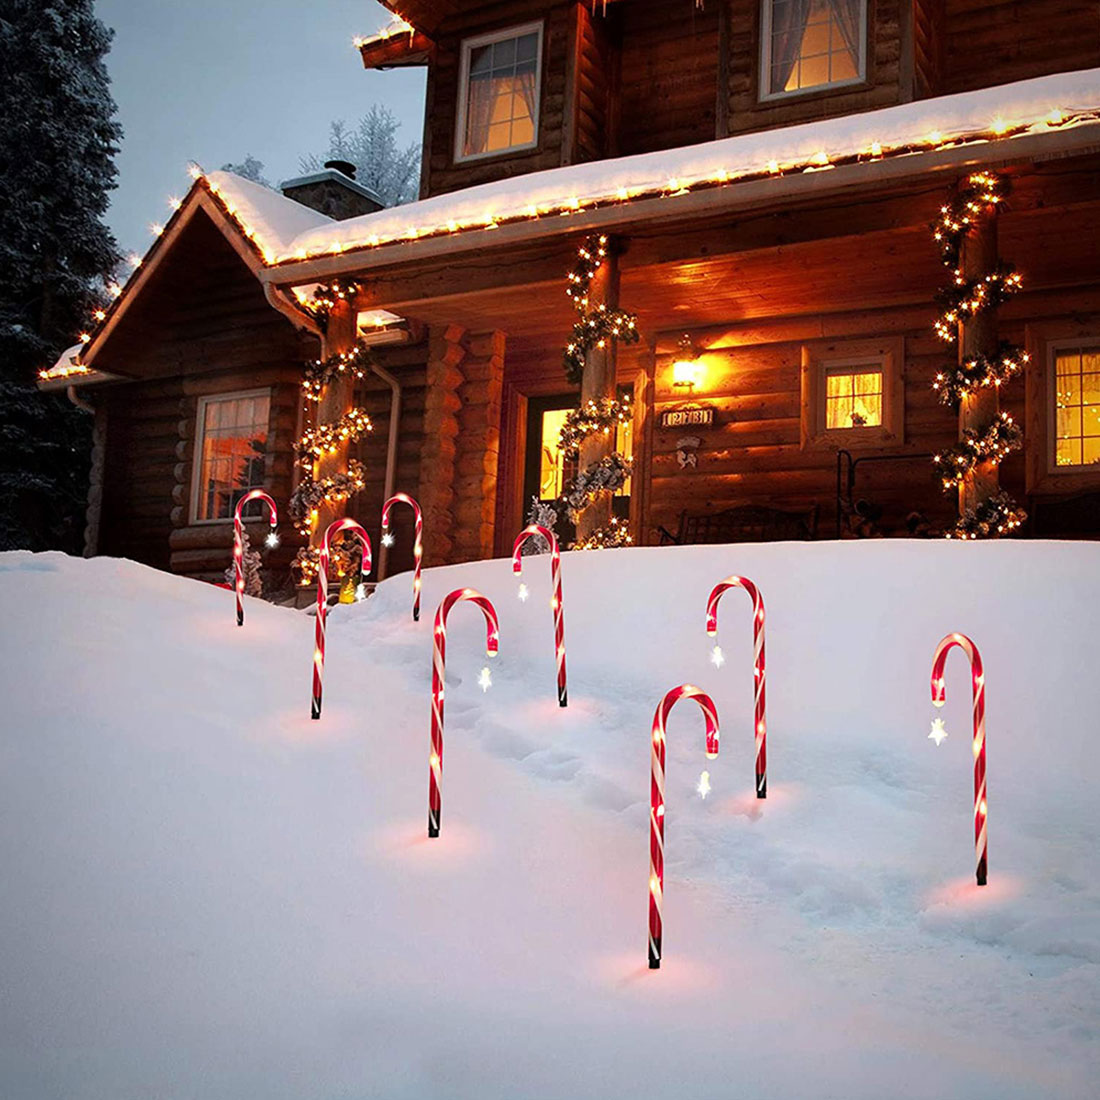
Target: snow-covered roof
283	232
271	220
1043	103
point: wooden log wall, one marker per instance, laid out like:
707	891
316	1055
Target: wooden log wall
668	75
202	327
459	469
443	172
998	41
407	364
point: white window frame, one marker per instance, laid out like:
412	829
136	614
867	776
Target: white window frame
764	95
470	44
200	431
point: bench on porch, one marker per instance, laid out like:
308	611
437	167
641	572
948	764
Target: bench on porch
745	523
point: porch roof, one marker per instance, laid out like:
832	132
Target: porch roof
288	244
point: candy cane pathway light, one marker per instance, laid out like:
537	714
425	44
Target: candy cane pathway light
439	660
534	531
657	802
977	675
418	549
238	542
336	528
760	717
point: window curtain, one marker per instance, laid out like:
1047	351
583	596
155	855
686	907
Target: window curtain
525	85
847	14
479	110
788	27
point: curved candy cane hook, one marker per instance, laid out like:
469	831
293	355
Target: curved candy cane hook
418	548
534	531
657	802
238	542
760	716
977	675
439	660
334	529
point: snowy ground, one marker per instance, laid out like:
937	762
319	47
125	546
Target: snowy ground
207	895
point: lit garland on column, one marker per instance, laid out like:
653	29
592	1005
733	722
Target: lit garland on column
325	439
999	440
328	296
963	299
594	327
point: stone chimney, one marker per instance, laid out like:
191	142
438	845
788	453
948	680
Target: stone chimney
333	191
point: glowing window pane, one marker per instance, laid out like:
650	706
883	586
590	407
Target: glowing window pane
827	52
1076	400
234	446
552	472
501	95
853	397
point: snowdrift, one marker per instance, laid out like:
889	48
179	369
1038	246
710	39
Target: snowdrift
207	894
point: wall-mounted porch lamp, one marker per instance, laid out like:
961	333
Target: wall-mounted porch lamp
687	368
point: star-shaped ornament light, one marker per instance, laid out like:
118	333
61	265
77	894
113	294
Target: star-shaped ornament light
938	732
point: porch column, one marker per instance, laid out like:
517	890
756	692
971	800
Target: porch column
458	470
978	336
336	399
598	381
437	461
478	453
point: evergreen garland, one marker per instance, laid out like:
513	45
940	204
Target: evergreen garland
604	414
594	327
963	299
961	379
320	372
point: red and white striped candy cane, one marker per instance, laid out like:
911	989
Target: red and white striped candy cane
439	660
657	802
334	529
238	542
760	716
938	697
418	549
533	531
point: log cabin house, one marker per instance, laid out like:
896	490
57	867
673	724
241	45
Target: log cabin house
765	174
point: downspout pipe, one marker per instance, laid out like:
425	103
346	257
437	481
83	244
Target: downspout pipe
391	451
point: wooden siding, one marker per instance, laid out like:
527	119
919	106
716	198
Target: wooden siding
443	172
881	89
991	42
202	327
407	365
668	75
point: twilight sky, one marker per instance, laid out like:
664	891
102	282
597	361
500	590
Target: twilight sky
216	80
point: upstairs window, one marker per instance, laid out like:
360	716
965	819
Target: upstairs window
810	44
230	452
498	107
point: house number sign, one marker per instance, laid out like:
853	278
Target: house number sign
699	417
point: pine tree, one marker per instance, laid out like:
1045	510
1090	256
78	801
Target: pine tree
58	139
250	169
391	172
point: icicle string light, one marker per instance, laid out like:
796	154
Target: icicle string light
760	708
338	528
238	542
439	662
272	253
977	676
418	543
657	802
534	530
